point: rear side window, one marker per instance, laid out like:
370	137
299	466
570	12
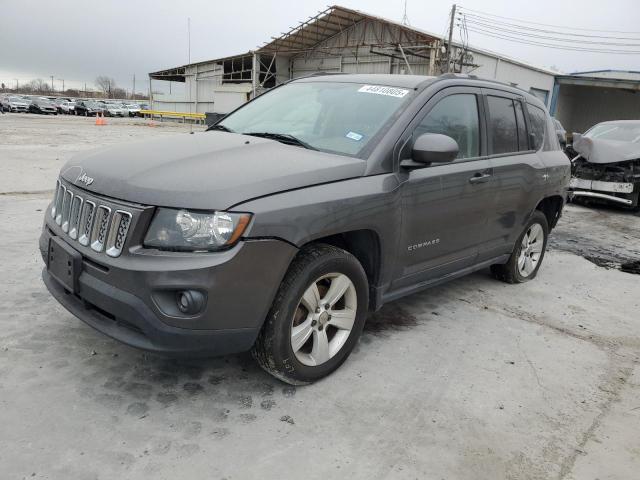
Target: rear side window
457	117
503	129
523	143
538	127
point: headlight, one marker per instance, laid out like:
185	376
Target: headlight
188	230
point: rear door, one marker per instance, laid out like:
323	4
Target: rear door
444	206
519	173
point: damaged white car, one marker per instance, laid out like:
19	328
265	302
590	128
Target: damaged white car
606	166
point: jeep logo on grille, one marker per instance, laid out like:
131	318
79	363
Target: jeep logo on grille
84	178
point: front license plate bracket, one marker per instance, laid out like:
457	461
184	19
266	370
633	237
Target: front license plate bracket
64	264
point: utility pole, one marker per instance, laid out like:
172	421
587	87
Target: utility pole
133	91
17	85
62	79
52	87
453	16
405	17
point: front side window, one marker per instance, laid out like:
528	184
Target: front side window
457	117
328	116
503	129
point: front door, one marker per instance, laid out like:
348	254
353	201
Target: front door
445	206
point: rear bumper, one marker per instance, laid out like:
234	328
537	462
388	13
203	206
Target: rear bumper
132	299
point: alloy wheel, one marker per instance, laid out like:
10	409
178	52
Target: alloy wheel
530	250
324	319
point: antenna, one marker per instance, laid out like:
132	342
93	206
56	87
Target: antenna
405	17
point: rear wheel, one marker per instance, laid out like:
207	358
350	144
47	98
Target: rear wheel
525	261
316	317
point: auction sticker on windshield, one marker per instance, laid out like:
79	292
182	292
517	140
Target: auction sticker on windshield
381	90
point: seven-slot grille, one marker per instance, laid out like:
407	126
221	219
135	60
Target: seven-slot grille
91	223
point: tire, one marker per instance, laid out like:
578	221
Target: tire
535	234
323	266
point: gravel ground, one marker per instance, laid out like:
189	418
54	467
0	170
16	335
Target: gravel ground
472	379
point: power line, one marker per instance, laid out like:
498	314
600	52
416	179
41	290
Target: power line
490	22
547	24
547	37
554	46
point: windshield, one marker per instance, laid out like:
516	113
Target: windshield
622	132
332	117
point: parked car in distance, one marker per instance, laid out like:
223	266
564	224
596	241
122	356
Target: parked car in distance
561	133
13	103
606	167
68	107
280	228
132	109
43	105
114	110
87	108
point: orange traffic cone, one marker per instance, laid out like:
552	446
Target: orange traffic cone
100	119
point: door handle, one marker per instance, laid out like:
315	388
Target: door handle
480	177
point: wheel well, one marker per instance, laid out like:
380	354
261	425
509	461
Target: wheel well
362	244
551	207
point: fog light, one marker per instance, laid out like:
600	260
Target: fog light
189	302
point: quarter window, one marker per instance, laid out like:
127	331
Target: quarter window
457	117
538	122
503	129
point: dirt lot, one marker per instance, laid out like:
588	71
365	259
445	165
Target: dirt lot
473	379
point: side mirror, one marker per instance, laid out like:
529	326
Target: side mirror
432	148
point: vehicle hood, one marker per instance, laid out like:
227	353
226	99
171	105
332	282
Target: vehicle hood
209	170
596	150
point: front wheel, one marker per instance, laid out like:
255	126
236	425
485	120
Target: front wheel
316	318
525	261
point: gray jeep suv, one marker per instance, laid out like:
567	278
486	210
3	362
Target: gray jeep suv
281	227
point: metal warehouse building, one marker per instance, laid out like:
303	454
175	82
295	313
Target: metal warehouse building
337	39
581	100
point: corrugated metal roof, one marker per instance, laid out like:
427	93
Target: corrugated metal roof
327	24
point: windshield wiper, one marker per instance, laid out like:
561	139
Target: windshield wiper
220	127
283	138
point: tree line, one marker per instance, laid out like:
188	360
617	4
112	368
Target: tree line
106	87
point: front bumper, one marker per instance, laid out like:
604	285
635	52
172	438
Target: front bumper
617	192
126	297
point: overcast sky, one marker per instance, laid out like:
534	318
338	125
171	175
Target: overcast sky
78	39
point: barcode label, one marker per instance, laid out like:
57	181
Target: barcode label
382	90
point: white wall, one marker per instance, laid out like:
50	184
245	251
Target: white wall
202	92
508	72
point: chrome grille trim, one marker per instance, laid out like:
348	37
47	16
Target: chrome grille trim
54	205
86	222
74	216
100	228
102	225
66	209
59	199
118	233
